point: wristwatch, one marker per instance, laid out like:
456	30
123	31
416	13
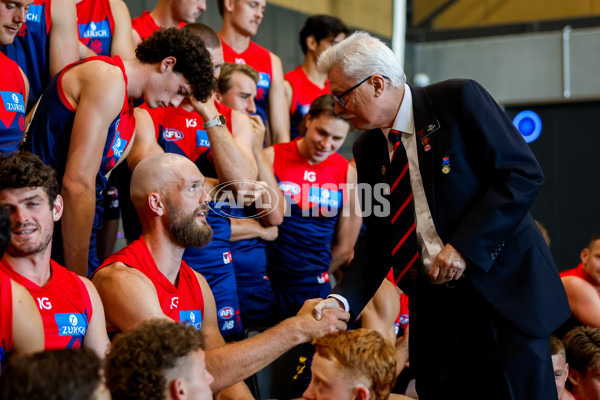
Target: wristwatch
219	120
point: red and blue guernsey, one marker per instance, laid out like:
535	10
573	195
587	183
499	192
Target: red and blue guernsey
301	254
179	131
49	136
95	25
12	110
30	49
304	93
64	303
258	58
145	25
6	319
182	303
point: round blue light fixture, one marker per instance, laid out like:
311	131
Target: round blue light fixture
529	124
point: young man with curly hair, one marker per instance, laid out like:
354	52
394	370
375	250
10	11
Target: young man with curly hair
358	364
84	125
158	360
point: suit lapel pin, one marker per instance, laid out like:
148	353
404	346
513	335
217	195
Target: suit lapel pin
445	165
383	170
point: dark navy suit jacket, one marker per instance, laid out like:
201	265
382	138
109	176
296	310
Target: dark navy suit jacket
481	206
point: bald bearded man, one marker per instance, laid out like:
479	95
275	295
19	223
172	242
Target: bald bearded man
148	278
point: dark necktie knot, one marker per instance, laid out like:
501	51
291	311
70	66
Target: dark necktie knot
394	136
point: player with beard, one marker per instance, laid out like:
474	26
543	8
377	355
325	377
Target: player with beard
71	309
148	279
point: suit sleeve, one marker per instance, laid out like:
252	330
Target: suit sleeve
509	173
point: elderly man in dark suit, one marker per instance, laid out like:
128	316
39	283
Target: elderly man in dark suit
455	181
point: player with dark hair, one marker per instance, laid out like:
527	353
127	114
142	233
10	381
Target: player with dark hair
72	374
306	82
84	125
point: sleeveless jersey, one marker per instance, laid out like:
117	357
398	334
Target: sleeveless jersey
49	137
6	320
578	271
258	58
95	25
304	93
30	48
64	304
12	110
183	303
145	25
301	254
179	131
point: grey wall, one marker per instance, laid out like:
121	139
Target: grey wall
516	68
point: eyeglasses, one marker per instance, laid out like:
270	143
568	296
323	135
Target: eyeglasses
339	99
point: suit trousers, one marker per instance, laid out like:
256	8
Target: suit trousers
462	348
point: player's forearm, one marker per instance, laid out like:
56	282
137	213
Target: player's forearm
237	361
77	220
230	162
242	229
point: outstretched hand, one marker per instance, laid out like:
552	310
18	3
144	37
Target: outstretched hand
331	319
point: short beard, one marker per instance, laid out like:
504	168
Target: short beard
185	229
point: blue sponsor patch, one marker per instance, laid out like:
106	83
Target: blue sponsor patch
191	317
13	102
324	197
264	82
118	144
71	324
202	138
95	29
34	14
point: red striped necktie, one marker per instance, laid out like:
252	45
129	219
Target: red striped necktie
405	250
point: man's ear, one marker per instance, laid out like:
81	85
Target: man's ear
167	64
311	43
177	389
584	255
378	83
361	393
228	5
574	377
155	204
57	208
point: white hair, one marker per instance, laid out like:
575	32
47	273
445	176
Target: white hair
362	55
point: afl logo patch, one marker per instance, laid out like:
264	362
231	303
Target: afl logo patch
172	135
226	312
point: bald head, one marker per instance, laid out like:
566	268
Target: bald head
157	173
